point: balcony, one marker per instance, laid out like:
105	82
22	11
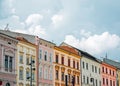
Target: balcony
7	70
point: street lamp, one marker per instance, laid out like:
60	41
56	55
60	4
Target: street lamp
31	69
66	80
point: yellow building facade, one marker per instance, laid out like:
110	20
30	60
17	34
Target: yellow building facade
118	77
25	51
66	64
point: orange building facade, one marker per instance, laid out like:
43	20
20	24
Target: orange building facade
108	75
66	63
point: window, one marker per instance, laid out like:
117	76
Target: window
103	81
113	83
73	64
62	76
40	72
69	78
78	65
57	74
21	59
83	64
62	60
21	74
50	57
87	66
8	84
51	74
8	63
40	54
106	71
99	83
33	75
78	80
92	68
83	79
74	78
87	80
27	74
56	58
27	61
45	56
103	69
96	83
113	73
45	73
110	71
106	81
110	82
69	62
95	69
99	70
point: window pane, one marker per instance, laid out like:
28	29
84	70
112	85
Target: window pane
45	57
50	57
6	63
40	54
21	59
10	64
21	74
27	74
56	58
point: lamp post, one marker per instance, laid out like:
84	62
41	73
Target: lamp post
66	80
72	82
31	69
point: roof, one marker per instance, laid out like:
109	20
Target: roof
67	48
9	36
111	62
30	38
47	41
83	53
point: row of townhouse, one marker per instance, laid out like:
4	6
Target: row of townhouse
52	65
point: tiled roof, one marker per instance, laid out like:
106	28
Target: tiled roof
30	38
83	53
111	62
70	49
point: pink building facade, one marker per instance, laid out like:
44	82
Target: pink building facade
45	64
7	60
108	75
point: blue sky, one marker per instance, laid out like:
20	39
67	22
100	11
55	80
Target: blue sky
90	25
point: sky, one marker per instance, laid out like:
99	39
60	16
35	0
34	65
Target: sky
90	25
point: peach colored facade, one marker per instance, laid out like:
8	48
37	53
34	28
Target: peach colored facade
108	75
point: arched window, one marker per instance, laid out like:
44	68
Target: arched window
7	84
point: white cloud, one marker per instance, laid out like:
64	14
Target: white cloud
33	25
95	44
57	19
85	33
34	19
37	30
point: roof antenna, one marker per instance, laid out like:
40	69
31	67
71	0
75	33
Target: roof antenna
106	56
6	28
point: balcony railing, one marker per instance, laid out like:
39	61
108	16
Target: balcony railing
7	70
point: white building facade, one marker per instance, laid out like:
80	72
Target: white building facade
91	71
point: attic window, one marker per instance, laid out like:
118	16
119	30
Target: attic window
9	43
